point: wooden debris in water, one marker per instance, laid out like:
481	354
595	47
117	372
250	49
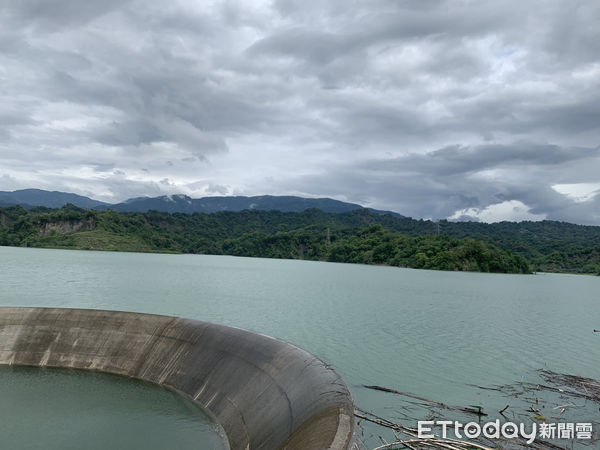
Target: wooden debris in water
436	442
570	389
471	410
584	387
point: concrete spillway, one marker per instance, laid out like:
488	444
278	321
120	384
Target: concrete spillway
263	392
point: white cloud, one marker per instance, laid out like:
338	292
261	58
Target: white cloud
511	210
427	108
579	192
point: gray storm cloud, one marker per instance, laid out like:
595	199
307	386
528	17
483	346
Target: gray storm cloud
471	109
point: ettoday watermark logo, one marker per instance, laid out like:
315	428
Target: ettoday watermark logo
508	430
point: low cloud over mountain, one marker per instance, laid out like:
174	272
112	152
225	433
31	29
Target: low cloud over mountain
471	109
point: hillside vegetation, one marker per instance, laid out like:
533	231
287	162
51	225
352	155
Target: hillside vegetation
357	236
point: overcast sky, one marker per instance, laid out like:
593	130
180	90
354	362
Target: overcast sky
488	110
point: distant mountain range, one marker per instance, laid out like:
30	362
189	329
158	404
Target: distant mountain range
29	198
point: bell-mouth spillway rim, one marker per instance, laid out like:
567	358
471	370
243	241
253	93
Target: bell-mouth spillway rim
262	391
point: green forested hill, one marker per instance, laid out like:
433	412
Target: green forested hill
358	236
377	245
549	246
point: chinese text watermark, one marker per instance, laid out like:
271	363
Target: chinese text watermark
508	430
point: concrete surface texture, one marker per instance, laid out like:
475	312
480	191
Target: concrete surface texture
264	393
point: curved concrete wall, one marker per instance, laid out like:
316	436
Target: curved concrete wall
265	393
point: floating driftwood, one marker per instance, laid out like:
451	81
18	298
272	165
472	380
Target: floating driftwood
581	387
471	410
571	391
436	442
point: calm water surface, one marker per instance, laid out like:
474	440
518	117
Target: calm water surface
56	409
430	333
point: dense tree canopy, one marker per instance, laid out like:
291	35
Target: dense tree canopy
354	237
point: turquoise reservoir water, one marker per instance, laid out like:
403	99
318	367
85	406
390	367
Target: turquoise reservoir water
72	410
434	334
